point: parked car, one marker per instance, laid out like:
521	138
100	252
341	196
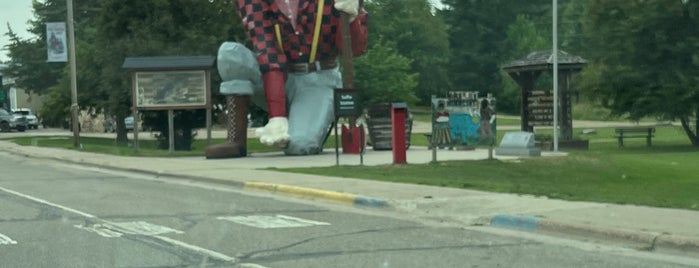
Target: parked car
9	121
32	120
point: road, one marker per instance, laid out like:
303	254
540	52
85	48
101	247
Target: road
58	215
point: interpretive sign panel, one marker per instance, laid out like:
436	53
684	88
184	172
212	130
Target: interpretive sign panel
171	89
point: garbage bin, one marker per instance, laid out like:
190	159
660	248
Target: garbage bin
381	130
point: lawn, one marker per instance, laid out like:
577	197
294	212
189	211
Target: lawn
147	148
663	175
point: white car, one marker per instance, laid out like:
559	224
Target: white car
32	120
10	121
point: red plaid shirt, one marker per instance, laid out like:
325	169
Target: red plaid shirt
260	16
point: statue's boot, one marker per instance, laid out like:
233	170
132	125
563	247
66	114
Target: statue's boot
237	116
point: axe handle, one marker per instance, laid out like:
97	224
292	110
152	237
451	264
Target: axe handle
347	55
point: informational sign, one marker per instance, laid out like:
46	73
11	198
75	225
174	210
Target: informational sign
169	89
540	108
56	44
347	103
462	119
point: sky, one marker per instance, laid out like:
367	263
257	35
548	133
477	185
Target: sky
16	13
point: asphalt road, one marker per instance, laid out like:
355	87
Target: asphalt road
57	215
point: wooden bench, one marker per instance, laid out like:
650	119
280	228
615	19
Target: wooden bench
634	132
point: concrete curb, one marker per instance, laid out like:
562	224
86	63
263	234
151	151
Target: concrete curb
643	240
299	192
650	241
339	197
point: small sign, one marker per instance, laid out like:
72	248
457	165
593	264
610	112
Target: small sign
347	103
518	139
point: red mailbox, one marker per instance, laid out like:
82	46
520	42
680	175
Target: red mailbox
399	112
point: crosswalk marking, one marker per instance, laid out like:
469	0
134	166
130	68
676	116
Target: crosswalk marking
269	222
142	228
100	230
177	243
6	240
117	229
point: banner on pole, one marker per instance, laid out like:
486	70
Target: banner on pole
56	42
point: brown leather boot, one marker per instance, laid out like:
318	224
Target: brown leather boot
237	115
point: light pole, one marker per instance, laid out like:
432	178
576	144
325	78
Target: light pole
555	75
73	78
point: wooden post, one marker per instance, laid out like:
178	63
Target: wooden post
347	55
171	129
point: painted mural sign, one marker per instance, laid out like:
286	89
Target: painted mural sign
463	120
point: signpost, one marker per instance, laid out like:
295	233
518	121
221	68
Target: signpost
346	102
170	83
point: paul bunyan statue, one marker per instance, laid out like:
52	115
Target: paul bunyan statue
291	72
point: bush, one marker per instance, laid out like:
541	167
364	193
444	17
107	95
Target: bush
185	124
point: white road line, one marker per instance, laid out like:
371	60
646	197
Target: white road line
100	230
211	253
251	265
39	200
6	240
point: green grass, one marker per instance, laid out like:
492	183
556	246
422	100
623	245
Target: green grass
663	175
147	148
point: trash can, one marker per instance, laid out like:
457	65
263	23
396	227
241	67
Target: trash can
381	130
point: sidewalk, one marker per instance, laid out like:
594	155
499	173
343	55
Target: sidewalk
654	229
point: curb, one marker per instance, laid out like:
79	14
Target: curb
649	241
296	191
349	199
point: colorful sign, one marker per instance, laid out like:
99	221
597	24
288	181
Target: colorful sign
463	120
56	42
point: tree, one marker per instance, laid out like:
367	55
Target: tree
419	36
522	38
570	29
135	28
646	55
383	75
32	73
478	30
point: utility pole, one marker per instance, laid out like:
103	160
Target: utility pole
73	77
555	75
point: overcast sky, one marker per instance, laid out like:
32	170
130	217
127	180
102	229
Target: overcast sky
18	12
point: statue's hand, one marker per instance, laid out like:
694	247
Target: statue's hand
275	133
351	7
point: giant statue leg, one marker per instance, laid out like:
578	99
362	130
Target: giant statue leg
241	77
311	110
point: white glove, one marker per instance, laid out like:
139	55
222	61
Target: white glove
492	119
275	133
351	7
